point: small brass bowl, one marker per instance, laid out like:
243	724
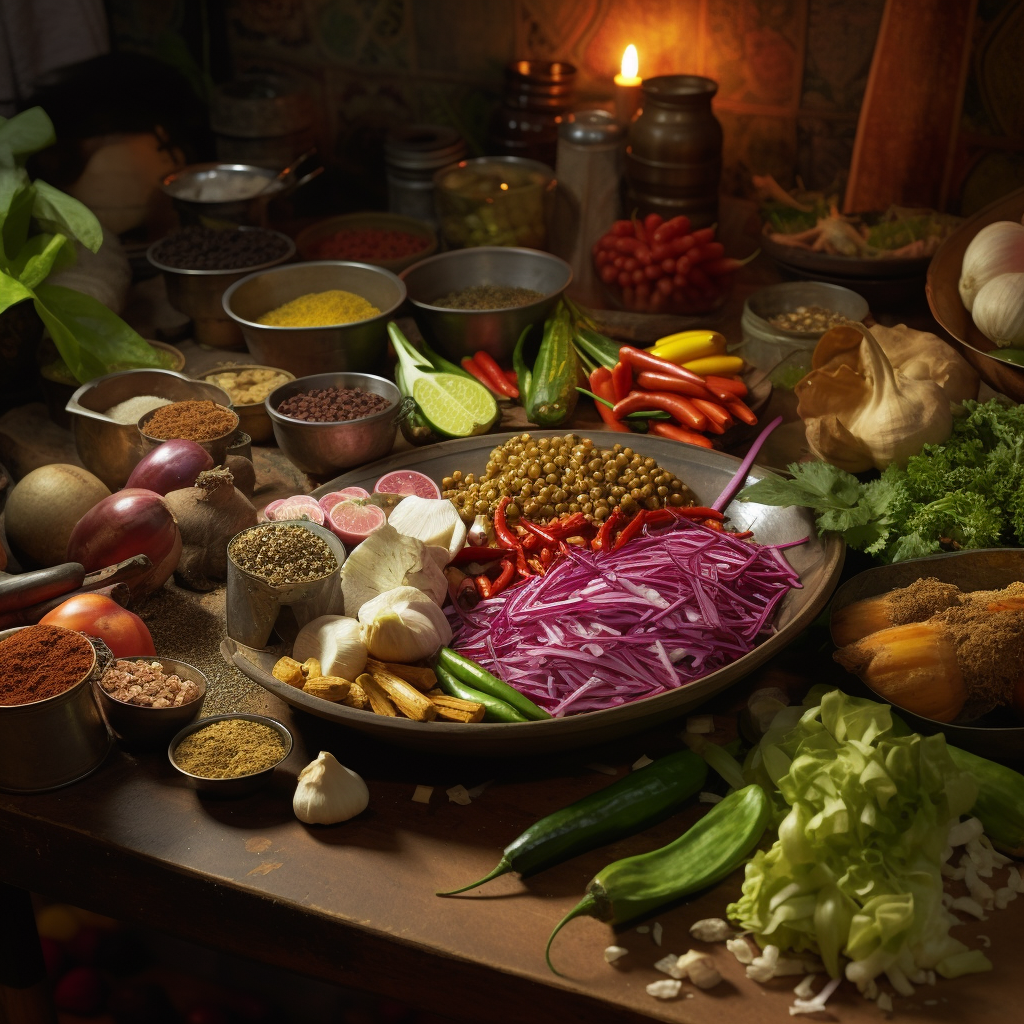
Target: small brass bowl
252	417
216	446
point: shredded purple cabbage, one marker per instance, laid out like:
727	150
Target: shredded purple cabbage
601	629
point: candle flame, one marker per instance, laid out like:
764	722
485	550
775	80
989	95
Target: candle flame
630	62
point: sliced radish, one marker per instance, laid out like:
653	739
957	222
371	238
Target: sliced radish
299	506
353	520
407	481
328	501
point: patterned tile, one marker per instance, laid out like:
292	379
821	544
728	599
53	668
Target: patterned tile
840	44
276	23
824	150
754	49
464	38
365	33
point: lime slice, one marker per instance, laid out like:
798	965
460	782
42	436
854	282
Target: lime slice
454	406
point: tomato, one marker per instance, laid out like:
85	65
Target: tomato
99	616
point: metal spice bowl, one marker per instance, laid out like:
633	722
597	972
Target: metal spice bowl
218	447
240	785
253	604
53	742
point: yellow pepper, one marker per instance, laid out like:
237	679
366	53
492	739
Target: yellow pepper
720	366
678	348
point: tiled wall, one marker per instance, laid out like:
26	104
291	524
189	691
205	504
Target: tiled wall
791	73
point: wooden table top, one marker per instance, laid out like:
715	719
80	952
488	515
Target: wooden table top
354	903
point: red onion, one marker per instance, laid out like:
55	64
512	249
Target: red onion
134	521
171	466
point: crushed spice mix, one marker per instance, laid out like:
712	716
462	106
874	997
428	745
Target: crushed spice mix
229	748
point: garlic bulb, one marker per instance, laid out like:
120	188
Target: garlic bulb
996	249
328	792
859	412
999	310
336	641
388	559
403	625
434	521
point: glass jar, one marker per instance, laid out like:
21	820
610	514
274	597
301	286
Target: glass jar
413	154
538	95
674	152
494	200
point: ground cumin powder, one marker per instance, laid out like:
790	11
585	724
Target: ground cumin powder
229	748
921	600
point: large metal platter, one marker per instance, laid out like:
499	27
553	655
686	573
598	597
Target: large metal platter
819	563
995	735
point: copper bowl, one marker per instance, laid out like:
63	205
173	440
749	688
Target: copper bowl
947	307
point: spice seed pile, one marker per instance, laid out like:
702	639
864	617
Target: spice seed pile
556	476
488	296
333	405
228	749
280	554
198	248
320	309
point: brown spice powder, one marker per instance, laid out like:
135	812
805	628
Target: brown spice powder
40	662
921	600
989	651
193	421
229	748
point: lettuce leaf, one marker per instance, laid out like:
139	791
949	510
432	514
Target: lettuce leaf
863	811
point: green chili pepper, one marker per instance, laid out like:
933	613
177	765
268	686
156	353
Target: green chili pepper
624	808
524	375
443	365
494	710
703	855
476	676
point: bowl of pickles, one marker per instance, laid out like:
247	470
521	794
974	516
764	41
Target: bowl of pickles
494	200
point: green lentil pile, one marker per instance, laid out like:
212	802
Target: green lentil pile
488	296
550	477
281	554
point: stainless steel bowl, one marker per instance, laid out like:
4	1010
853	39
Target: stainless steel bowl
356	347
109	449
185	186
322	448
461	332
199	295
152	727
53	742
240	785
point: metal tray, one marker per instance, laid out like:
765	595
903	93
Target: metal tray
847	267
819	563
985	569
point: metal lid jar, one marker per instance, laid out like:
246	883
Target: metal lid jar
412	154
674	151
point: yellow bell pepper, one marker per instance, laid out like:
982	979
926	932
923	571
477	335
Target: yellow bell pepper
678	348
720	366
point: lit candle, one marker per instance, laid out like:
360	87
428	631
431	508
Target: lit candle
627	86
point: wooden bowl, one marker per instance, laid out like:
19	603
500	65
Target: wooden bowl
948	308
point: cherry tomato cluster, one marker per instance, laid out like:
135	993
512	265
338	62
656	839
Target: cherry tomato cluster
657	266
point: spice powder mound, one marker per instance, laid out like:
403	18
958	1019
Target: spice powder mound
42	661
280	554
192	421
229	748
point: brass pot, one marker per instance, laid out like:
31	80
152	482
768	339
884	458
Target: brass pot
674	153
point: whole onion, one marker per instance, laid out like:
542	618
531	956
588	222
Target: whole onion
134	521
171	466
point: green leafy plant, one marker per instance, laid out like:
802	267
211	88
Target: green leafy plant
39	226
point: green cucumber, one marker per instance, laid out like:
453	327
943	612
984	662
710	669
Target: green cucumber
555	373
524	375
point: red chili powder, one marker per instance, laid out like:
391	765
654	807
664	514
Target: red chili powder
40	662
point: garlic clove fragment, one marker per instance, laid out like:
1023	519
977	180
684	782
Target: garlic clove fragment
327	792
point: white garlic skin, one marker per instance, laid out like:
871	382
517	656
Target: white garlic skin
327	792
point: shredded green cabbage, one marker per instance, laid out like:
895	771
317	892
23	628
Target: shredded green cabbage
863	817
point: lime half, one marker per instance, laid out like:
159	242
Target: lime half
455	406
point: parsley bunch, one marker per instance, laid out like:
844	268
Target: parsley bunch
966	493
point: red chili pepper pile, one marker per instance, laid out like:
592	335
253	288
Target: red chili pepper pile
528	549
641	381
664	267
368	244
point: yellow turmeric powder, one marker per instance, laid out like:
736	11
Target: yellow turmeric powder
320	309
